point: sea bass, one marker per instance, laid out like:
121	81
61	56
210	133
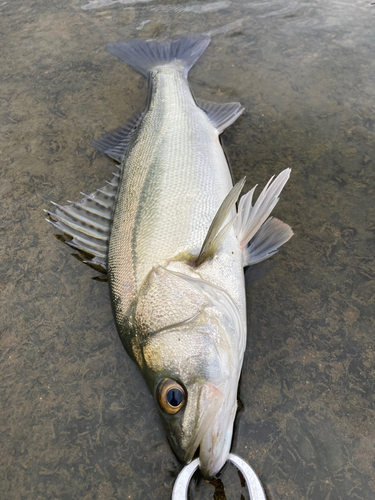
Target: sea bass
167	231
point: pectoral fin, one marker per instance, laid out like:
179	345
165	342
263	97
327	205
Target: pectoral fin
253	226
216	235
270	237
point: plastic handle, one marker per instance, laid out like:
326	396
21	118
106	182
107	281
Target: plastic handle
254	486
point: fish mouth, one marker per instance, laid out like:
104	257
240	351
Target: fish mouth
214	431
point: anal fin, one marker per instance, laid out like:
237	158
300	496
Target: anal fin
221	115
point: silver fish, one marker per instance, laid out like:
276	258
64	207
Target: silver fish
167	231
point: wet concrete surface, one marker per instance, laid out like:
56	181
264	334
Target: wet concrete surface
76	420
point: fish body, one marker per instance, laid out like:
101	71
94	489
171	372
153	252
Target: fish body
177	247
175	179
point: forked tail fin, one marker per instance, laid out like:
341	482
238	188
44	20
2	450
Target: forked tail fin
145	55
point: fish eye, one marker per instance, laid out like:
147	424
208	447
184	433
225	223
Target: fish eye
171	395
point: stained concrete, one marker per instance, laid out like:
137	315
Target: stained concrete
76	420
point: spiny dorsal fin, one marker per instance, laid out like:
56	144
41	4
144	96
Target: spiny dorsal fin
87	222
221	115
115	142
215	234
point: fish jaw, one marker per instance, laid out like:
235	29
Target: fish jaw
215	446
217	411
209	402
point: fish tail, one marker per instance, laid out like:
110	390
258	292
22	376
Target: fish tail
146	55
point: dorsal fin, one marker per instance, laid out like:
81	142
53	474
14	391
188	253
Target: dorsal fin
221	115
115	142
88	222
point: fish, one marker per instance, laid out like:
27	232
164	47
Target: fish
174	236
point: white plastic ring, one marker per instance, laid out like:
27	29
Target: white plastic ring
181	486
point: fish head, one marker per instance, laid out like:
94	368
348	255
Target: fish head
191	361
